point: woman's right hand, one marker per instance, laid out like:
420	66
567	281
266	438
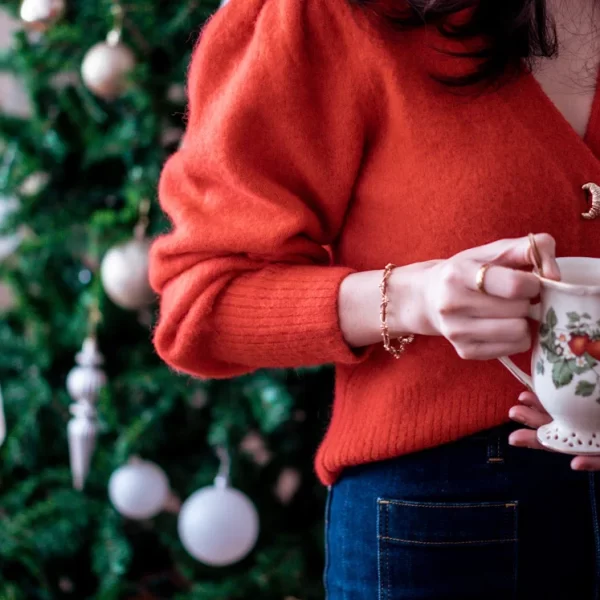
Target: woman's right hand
491	325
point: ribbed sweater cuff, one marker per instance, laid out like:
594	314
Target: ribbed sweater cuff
283	316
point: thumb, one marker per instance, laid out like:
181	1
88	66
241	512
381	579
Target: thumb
518	253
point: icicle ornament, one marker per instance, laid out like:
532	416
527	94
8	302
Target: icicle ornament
84	383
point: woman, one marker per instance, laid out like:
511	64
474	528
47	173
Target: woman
328	138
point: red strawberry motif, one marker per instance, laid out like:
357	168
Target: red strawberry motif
579	344
593	349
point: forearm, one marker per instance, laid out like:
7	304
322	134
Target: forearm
360	301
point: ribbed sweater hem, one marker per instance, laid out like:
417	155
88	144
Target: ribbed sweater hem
353	440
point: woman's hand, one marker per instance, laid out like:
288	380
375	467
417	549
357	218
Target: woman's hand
494	324
531	413
440	297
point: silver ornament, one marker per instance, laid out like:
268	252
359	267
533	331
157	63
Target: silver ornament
84	383
106	67
39	15
124	273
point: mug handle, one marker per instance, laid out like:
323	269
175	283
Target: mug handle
535	313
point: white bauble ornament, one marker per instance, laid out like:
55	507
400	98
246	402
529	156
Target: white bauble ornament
139	490
218	525
39	15
124	273
106	67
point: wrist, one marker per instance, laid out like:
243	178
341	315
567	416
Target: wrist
407	291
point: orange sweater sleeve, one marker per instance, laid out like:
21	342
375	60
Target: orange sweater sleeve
259	187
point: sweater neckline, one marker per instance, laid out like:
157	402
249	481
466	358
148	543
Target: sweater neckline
590	142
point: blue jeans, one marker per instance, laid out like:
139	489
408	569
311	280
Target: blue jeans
476	519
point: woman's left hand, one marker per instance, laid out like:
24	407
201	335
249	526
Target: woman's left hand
531	413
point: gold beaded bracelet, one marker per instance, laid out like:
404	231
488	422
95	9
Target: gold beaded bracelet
404	340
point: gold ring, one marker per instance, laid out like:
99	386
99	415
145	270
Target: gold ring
480	280
536	257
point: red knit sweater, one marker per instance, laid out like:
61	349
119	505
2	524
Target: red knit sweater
309	128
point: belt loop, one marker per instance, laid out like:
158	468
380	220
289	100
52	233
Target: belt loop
495	449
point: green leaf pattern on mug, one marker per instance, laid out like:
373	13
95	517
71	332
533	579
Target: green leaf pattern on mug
585	388
561	374
572	351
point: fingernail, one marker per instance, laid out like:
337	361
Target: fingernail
522	396
511	440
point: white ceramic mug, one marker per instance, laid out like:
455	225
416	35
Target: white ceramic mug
565	363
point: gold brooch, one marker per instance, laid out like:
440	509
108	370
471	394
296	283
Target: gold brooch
594	211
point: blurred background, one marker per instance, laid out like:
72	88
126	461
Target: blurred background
118	477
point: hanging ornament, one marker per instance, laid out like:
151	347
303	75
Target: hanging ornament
218	525
107	65
40	15
139	490
84	383
124	269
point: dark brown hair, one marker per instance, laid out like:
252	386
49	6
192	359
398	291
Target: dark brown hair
512	31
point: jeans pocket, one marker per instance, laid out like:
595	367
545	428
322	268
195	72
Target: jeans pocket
429	550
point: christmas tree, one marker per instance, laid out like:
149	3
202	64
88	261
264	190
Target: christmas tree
78	177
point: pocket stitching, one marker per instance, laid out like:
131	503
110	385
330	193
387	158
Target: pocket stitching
502	541
383	549
449	505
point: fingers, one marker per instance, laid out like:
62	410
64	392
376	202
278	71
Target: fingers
499	281
485	339
478	305
525	438
586	463
490	351
531	400
502	282
461	330
547	249
516	253
531	413
529	416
